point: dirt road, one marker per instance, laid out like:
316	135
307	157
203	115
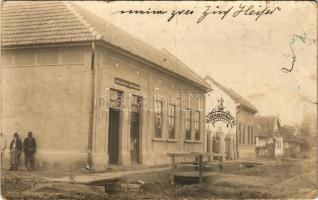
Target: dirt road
282	179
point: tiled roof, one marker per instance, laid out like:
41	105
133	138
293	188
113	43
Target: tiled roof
265	126
40	22
234	95
29	23
288	136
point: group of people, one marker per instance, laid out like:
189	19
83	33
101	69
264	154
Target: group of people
28	147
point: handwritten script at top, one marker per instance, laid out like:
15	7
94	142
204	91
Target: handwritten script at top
234	11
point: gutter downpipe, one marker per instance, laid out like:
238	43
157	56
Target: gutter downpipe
92	109
237	139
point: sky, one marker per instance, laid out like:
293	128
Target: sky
238	52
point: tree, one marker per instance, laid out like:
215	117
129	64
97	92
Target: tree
308	129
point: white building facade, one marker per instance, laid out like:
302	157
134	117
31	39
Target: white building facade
221	134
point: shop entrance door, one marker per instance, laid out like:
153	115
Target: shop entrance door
134	138
113	136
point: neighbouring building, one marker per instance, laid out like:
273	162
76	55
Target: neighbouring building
221	134
237	141
92	94
269	138
245	128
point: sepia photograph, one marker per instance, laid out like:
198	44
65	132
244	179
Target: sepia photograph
158	100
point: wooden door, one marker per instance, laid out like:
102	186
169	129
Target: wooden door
113	136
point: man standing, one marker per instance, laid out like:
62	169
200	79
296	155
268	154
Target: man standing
29	149
3	146
15	150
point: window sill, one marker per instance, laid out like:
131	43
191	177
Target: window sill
158	139
193	141
172	140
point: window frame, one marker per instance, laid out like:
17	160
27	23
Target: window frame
253	137
188	121
172	121
116	99
240	133
197	129
248	135
243	139
158	113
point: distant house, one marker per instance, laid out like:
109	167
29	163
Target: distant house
269	139
293	144
237	141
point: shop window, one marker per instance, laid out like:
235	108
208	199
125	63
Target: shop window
172	121
116	99
188	120
197	125
136	103
158	119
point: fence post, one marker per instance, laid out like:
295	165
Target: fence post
200	168
221	164
173	168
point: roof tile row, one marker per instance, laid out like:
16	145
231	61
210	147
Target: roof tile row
53	22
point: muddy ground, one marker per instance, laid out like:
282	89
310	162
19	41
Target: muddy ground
280	179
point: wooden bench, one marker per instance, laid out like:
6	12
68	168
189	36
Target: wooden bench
198	162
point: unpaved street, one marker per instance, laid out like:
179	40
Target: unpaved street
280	179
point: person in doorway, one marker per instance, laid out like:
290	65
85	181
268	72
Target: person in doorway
15	151
3	146
29	149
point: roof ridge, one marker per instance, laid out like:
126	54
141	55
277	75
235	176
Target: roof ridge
232	93
243	98
82	11
89	26
208	77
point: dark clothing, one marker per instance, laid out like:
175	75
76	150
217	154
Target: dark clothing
28	160
17	143
29	145
29	148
